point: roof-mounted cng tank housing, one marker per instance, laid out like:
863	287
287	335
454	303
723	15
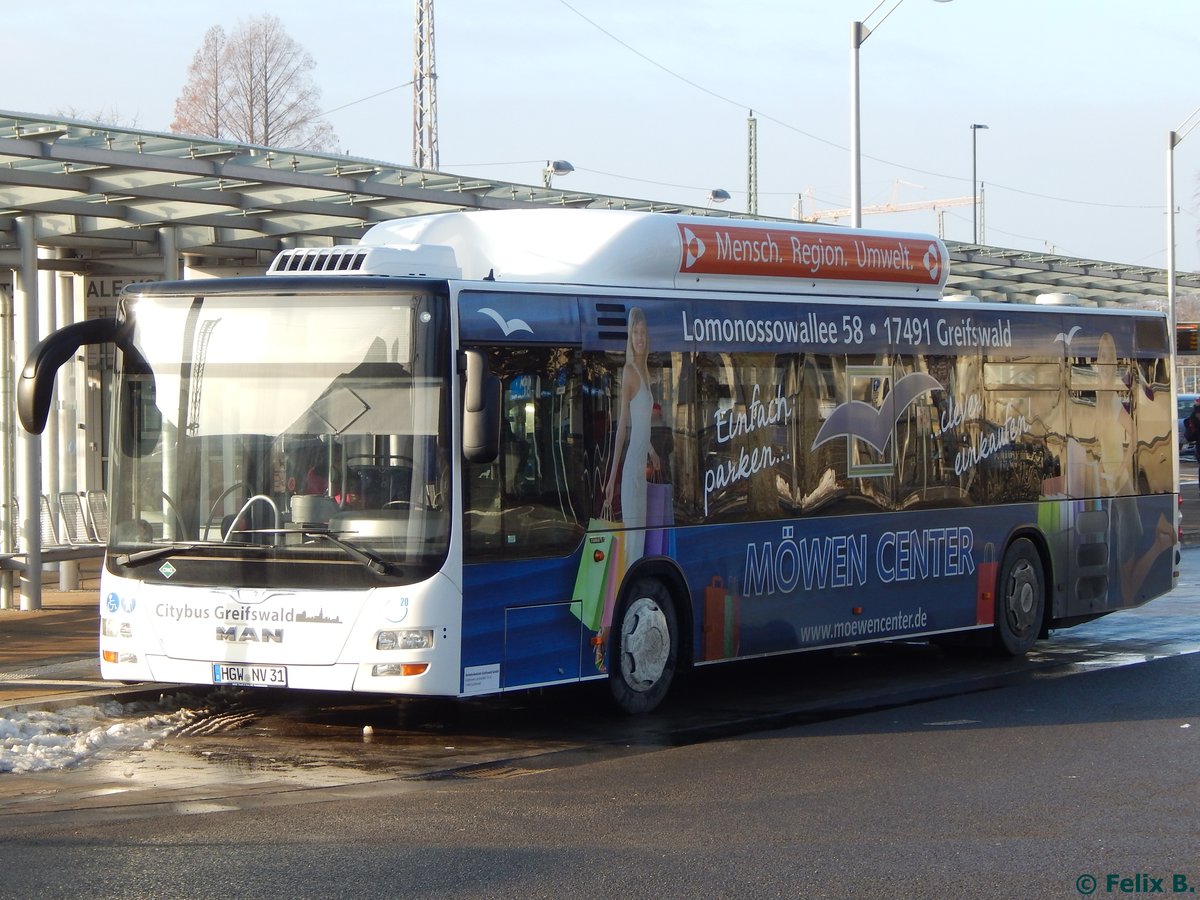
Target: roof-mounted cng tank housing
622	248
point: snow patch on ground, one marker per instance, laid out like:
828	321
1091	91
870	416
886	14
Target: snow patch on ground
42	740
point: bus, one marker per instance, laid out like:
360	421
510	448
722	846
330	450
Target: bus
490	451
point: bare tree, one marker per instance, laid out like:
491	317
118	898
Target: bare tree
105	115
253	86
199	109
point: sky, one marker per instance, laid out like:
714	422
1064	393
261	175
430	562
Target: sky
650	100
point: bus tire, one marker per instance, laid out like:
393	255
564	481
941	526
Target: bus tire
1020	599
644	647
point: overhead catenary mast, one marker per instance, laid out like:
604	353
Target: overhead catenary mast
425	141
752	165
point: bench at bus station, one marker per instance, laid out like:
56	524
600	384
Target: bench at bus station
80	528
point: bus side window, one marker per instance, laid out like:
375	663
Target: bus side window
527	501
1152	413
1103	440
927	436
747	404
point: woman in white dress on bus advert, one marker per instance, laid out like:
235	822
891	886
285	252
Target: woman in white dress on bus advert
633	423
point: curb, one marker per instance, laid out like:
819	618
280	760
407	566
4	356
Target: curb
102	693
63	681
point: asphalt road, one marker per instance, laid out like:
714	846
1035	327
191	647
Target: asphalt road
1022	791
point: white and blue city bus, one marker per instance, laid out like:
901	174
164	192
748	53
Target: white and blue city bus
490	451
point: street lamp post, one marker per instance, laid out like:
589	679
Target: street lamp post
717	195
974	184
859	32
1173	139
555	167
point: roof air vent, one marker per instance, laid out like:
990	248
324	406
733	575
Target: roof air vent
413	261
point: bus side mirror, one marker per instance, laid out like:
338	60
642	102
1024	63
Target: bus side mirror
481	411
36	386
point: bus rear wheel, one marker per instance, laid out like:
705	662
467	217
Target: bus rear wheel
644	650
1020	599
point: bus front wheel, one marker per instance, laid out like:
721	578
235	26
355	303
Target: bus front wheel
1020	599
644	652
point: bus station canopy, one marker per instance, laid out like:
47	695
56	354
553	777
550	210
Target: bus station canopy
102	199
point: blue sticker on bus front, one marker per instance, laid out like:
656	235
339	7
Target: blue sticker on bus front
112	603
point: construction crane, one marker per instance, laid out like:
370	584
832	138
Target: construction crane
893	207
425	141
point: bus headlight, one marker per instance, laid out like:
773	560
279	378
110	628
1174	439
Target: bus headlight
112	628
406	639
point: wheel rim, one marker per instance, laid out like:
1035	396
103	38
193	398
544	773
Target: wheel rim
1020	600
645	644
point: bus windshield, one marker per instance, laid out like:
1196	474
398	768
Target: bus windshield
284	424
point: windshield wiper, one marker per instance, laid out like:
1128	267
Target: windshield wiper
152	553
130	559
372	561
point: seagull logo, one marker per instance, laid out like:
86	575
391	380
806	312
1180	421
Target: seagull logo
693	248
865	422
508	326
1068	337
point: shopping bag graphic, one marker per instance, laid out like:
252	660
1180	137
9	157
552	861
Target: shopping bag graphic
985	596
612	584
721	627
732	623
591	581
660	515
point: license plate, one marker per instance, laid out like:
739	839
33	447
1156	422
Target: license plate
249	676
